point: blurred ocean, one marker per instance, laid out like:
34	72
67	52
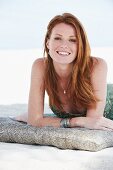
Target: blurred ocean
15	71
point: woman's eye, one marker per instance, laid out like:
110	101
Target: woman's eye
72	40
57	38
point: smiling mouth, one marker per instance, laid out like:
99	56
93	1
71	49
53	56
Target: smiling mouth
63	53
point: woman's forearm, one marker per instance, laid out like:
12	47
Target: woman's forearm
85	122
55	122
45	121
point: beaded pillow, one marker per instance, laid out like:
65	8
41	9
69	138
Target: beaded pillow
64	138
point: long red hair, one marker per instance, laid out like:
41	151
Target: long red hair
80	87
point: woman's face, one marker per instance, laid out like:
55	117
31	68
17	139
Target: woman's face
62	44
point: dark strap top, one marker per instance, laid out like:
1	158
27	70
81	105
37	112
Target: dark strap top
61	114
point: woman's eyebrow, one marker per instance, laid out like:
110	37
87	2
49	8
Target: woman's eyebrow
58	34
73	36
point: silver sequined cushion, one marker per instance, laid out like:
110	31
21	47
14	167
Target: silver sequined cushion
64	138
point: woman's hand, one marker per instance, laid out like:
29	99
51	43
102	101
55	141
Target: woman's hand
101	123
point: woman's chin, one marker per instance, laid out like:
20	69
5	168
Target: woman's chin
63	61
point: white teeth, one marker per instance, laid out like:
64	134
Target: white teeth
63	53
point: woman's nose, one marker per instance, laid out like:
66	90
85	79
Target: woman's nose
64	43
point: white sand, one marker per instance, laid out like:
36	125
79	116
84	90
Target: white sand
28	157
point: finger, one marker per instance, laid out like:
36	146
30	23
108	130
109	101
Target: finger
108	123
109	120
106	128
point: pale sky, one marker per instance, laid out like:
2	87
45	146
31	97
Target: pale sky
23	22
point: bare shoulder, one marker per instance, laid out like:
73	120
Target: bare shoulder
39	63
99	64
99	71
38	66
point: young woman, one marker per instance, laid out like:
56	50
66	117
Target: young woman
74	80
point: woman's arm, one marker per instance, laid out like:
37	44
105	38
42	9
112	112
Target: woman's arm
99	82
94	118
36	98
36	93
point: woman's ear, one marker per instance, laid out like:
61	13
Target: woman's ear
47	43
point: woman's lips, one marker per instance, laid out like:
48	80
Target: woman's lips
63	53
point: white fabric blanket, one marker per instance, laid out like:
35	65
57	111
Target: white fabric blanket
27	157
